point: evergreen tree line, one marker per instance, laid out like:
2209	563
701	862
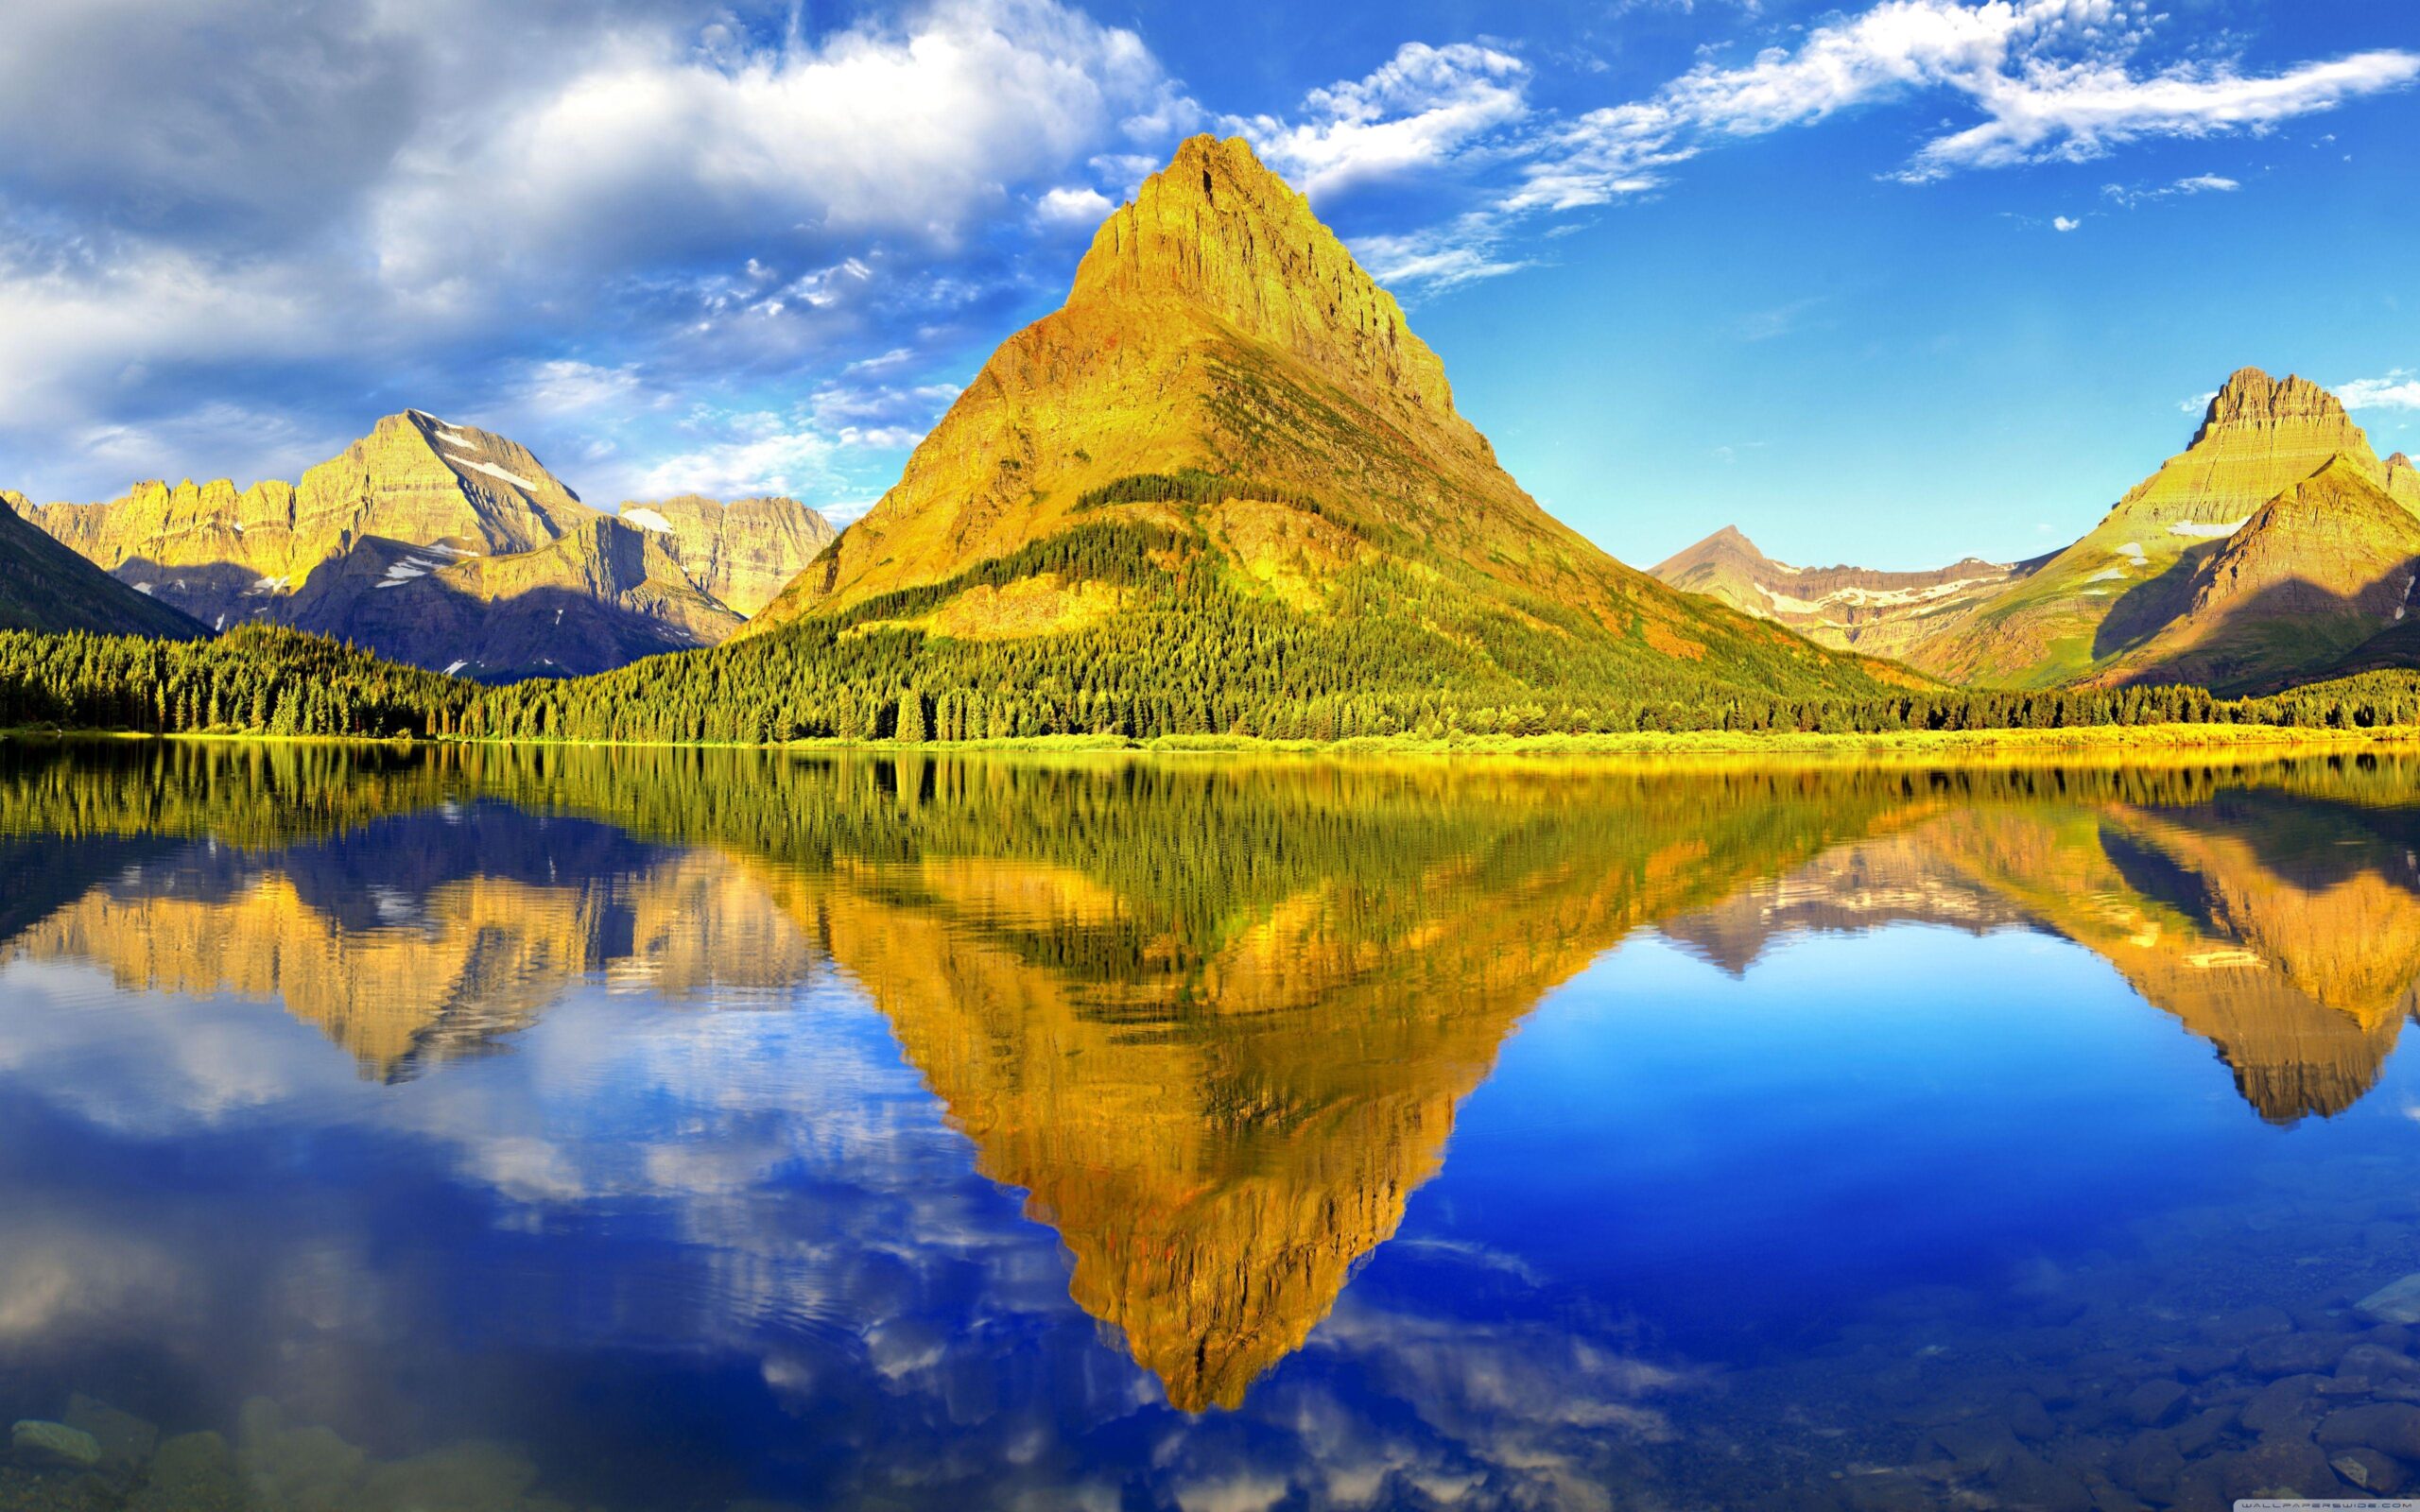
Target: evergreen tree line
1188	654
255	678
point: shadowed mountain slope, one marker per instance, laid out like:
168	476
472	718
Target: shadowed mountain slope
44	586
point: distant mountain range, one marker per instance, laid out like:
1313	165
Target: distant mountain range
2276	548
445	546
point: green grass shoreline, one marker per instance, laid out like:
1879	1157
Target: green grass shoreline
2118	741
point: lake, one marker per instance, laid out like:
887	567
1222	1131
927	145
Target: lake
488	1129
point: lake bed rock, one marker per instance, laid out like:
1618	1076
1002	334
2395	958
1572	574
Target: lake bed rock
2157	1404
2378	1475
127	1441
2393	1427
40	1445
2397	1302
191	1473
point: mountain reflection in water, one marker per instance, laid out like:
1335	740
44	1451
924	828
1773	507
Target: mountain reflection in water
1210	1022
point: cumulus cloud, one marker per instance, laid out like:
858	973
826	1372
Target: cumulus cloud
1080	206
354	207
2398	390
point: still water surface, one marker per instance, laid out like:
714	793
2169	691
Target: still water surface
471	1131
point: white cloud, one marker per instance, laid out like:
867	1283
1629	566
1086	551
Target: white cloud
751	454
885	129
2050	79
2200	183
1421	108
1079	206
1440	257
360	198
2398	390
2063	223
566	386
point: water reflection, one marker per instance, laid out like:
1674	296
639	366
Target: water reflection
1210	1025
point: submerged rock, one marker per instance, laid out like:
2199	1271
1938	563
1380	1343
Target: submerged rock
2390	1426
46	1444
297	1469
191	1473
468	1477
127	1441
2376	1473
2397	1302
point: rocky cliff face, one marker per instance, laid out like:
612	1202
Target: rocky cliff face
741	553
1882	614
603	596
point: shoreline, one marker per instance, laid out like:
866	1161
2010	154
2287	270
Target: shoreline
2121	742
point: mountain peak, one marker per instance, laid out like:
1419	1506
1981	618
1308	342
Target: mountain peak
1216	229
2251	396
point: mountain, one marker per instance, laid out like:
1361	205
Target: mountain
1230	423
2320	568
743	552
1881	613
44	586
450	547
603	595
2124	584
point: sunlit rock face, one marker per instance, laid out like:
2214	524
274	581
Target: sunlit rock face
2316	571
45	586
741	553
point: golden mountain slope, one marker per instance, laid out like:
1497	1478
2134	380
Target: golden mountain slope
2133	573
1223	369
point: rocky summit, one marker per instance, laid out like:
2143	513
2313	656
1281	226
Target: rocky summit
1226	379
450	547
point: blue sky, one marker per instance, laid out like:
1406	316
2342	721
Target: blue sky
1891	282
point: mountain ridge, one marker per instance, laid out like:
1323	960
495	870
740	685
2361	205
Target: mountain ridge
450	547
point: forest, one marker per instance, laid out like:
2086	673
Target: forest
865	677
